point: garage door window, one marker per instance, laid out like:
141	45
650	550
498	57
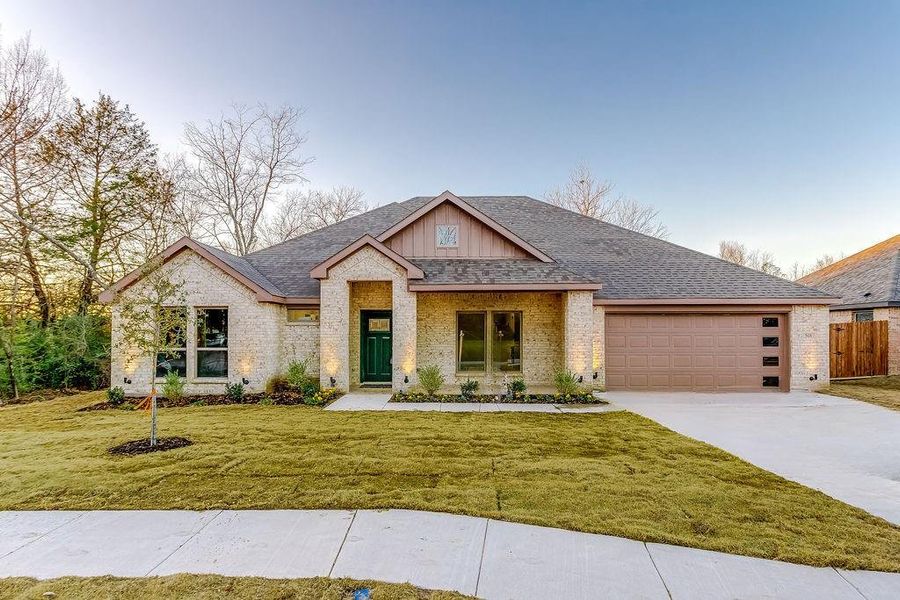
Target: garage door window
770	322
770	361
771	381
770	341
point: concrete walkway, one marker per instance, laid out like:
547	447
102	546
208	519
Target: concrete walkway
848	449
482	557
381	402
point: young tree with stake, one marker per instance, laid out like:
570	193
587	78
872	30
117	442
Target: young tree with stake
153	322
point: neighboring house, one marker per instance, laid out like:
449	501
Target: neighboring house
868	285
487	288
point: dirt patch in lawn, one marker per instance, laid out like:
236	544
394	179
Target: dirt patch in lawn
143	446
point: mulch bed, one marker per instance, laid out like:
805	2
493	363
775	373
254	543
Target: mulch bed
284	398
143	446
585	398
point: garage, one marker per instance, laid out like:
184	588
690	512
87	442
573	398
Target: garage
697	352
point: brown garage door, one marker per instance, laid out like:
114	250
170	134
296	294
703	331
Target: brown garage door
706	352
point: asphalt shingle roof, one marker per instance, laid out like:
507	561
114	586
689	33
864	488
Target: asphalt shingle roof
629	265
868	277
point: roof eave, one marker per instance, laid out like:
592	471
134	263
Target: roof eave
502	287
714	301
865	305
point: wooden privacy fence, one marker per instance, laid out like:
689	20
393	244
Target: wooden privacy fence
859	349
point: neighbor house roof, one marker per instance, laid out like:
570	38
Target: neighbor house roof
617	264
868	279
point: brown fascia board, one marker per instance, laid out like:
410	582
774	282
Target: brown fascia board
502	287
320	271
711	301
473	212
865	305
186	243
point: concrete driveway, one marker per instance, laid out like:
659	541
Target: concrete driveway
848	449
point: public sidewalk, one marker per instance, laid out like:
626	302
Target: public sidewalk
477	556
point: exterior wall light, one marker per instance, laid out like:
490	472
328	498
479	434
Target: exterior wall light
581	379
595	374
406	379
245	381
814	377
333	381
127	380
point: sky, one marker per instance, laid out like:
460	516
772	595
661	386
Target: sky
773	123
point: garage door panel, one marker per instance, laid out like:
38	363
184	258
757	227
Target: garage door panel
710	352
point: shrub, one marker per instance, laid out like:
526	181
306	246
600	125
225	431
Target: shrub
516	387
431	379
276	384
468	388
566	382
115	396
234	392
297	376
173	386
266	401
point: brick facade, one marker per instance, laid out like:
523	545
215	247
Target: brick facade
255	331
808	338
891	314
542	334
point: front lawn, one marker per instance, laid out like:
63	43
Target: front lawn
616	473
209	587
883	391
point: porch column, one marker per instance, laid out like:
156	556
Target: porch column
334	339
578	333
403	346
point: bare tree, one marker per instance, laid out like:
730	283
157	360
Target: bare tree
799	271
33	95
739	254
301	213
241	163
594	198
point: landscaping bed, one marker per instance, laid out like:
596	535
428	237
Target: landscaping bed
284	398
579	398
143	446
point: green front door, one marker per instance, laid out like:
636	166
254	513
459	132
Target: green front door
375	346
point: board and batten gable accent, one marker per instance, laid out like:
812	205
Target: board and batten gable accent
475	239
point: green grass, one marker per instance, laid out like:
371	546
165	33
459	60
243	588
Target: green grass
203	587
616	473
883	391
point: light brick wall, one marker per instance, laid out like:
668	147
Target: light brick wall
809	346
599	347
578	333
542	334
366	265
255	331
890	314
300	341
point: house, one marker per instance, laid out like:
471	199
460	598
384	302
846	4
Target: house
487	288
868	285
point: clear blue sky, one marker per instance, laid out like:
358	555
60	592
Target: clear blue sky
775	123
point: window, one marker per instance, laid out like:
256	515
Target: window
863	315
471	342
770	322
770	381
447	236
770	361
173	321
303	315
770	341
506	341
212	342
